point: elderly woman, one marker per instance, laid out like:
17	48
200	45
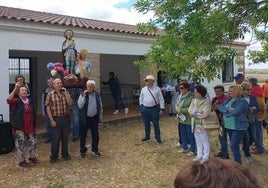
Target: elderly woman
23	124
184	127
235	118
199	109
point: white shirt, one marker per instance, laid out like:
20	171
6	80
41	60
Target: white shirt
147	99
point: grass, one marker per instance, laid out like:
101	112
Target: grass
125	161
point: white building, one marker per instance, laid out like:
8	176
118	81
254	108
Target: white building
31	39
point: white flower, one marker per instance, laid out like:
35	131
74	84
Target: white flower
53	73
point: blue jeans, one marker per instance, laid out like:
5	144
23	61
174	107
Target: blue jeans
151	115
48	128
186	134
252	133
223	142
259	137
75	122
118	101
246	145
236	137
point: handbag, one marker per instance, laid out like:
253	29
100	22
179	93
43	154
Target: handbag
211	122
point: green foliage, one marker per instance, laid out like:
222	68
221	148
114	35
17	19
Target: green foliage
260	56
196	34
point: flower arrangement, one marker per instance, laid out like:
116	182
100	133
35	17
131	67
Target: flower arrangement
82	70
56	70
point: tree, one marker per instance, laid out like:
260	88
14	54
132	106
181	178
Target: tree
197	35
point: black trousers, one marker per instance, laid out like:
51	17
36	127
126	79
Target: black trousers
60	134
92	124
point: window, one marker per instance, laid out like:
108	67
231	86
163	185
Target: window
19	66
228	72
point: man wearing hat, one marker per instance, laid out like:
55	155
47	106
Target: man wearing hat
239	78
151	105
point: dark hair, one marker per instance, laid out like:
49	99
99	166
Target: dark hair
111	74
19	76
215	173
219	87
185	84
201	89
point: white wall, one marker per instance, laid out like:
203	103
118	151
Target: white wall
21	35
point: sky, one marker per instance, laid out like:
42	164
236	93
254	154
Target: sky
119	11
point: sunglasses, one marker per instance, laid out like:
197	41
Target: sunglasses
248	89
182	87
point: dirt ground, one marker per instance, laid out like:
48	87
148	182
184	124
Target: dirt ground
125	161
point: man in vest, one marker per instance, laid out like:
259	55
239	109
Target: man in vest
90	114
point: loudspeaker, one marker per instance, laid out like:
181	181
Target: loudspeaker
6	139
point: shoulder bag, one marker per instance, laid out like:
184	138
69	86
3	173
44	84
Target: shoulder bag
211	122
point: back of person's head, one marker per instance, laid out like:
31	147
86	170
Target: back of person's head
253	81
111	74
215	173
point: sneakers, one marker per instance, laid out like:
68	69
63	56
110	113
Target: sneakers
249	160
34	160
190	153
178	145
197	158
126	111
145	139
183	151
24	164
116	112
159	141
96	153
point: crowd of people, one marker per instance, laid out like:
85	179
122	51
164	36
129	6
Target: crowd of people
240	113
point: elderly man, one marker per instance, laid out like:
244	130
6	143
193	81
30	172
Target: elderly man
57	106
216	102
152	105
90	114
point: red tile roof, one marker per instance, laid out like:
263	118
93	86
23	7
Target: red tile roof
50	18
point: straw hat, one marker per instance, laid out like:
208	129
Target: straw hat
149	77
